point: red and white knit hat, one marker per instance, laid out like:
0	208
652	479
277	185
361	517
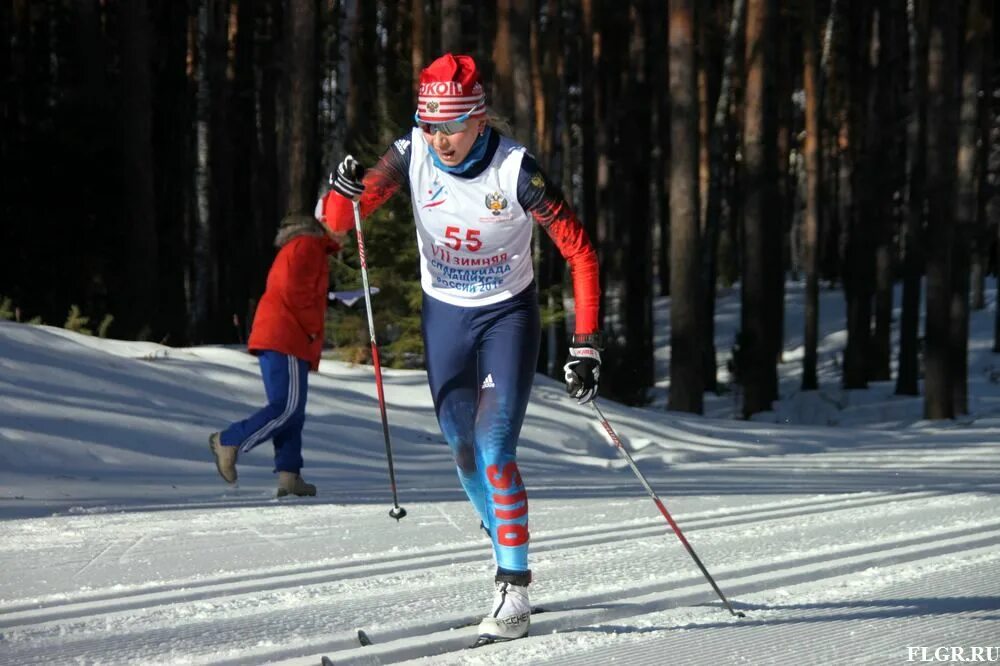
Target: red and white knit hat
450	88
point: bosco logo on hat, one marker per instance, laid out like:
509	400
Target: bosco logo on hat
450	89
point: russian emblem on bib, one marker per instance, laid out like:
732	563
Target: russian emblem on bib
496	202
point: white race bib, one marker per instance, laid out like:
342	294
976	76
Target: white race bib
474	237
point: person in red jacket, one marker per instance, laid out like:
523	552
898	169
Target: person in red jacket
287	338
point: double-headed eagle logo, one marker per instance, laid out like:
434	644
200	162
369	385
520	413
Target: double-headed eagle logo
496	202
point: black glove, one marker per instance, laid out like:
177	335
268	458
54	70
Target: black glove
583	370
347	180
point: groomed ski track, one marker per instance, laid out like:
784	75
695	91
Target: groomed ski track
624	575
854	544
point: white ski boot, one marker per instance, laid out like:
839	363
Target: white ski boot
511	613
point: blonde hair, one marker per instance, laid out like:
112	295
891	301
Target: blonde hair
498	122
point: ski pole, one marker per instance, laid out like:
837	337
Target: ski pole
396	511
659	504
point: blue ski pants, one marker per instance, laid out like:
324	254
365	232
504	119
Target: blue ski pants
480	366
285	383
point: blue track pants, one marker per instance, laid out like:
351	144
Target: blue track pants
281	420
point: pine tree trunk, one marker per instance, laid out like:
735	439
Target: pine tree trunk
401	54
830	259
612	106
814	179
362	102
959	326
685	277
860	213
604	93
777	244
907	378
882	121
981	246
977	269
486	20
451	26
225	235
204	284
707	85
635	216
829	251
988	199
663	219
880	354
718	162
542	258
336	66
503	59
660	138
394	102
730	242
542	61
942	119
300	169
967	209
520	75
757	364
266	192
243	264
418	39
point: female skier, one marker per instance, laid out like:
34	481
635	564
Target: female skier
474	194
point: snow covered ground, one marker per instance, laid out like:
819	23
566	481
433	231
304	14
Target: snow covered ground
848	530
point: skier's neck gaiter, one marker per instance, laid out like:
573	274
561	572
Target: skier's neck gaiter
471	160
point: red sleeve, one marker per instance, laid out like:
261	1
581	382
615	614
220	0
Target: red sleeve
549	208
571	238
381	182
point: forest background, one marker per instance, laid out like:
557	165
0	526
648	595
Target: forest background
151	147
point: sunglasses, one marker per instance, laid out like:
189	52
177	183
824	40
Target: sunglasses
448	127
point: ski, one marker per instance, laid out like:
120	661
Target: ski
327	661
366	640
484	640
